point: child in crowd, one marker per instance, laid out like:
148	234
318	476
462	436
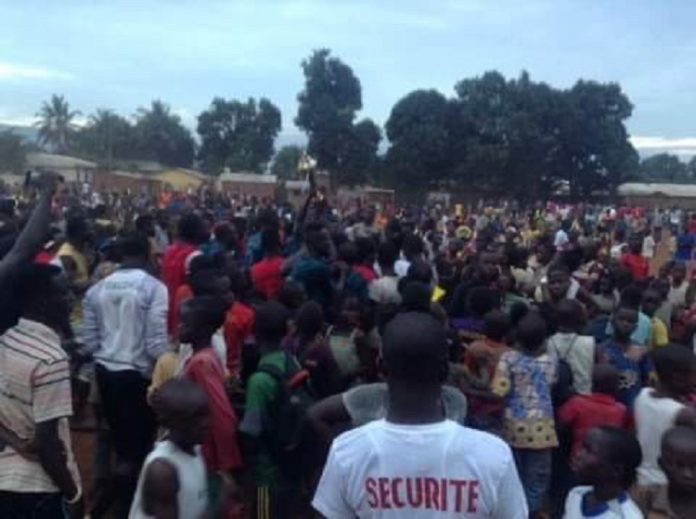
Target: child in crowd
606	467
201	317
173	480
632	362
275	488
239	323
267	274
656	410
467	316
524	378
578	350
585	412
678	461
308	344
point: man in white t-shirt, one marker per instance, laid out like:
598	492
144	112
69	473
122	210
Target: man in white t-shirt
656	410
649	245
415	463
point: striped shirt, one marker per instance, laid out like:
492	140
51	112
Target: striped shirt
34	388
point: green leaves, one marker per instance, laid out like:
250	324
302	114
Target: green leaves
328	106
238	135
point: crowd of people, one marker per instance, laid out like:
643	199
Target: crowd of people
237	358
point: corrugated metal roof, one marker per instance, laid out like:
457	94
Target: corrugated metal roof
658	189
247	177
51	161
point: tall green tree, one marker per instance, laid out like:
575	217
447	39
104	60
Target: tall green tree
418	129
284	165
161	136
106	137
238	135
328	106
360	153
13	152
664	167
56	124
596	152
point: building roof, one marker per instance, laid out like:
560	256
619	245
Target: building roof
51	161
247	177
297	184
658	189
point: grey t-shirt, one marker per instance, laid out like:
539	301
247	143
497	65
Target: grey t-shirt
369	402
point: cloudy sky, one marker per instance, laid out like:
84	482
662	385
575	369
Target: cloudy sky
121	54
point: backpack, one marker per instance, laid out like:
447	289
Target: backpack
289	412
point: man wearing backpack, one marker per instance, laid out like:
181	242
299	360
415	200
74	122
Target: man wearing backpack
266	400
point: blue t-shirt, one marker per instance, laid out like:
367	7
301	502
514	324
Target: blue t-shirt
633	375
685	246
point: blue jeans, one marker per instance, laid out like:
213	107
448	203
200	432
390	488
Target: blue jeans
534	469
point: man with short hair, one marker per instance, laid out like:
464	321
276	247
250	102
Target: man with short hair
125	329
415	463
37	469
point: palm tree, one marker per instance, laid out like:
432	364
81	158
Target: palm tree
56	127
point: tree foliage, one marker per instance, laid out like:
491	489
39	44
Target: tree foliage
328	106
13	152
238	135
56	124
284	165
512	137
665	167
108	136
160	136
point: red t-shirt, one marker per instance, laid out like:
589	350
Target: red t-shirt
584	412
239	324
174	275
637	264
220	449
43	258
267	277
366	272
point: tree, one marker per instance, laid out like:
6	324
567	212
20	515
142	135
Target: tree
664	167
360	153
56	124
107	136
160	136
285	162
596	152
238	135
328	105
13	152
418	128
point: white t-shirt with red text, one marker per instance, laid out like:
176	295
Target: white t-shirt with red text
439	470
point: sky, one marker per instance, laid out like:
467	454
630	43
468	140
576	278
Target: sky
122	54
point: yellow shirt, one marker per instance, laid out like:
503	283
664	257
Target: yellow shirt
167	368
659	335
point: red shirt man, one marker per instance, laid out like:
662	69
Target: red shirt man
637	264
174	265
267	276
